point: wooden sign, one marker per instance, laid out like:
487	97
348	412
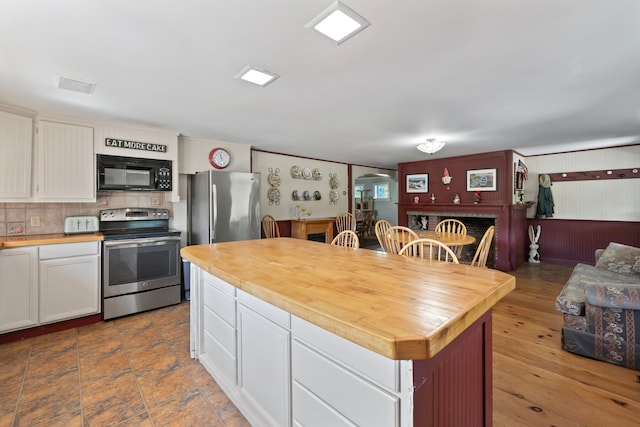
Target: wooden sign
134	145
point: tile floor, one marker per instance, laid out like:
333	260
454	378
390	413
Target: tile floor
132	371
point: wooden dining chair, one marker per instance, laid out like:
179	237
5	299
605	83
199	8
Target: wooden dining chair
429	249
365	224
347	238
346	221
480	258
381	228
270	227
452	226
397	237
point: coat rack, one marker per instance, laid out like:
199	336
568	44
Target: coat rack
595	175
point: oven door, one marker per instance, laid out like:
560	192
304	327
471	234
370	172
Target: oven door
136	265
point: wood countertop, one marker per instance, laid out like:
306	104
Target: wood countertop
47	239
402	308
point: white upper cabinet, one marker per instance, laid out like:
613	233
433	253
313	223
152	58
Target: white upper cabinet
65	162
16	133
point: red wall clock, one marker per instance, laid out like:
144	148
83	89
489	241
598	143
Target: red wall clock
219	158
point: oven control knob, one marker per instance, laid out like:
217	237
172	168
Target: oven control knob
145	284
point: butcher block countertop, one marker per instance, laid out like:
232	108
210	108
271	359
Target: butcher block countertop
399	307
47	239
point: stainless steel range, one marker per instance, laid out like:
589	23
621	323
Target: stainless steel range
140	263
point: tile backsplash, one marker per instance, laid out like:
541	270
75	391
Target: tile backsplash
47	218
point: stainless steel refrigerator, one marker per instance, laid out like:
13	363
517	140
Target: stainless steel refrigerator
225	207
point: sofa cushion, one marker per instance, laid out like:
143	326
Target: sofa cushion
624	296
571	298
579	323
620	258
608	348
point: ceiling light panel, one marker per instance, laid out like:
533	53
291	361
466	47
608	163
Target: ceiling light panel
338	22
256	76
75	85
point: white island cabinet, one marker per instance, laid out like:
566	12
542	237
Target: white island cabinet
322	341
69	281
280	370
18	288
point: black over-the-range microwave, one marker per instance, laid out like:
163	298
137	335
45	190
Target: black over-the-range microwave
134	174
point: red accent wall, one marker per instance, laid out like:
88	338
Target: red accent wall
511	227
566	241
458	167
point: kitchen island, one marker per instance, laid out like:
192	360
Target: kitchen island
300	332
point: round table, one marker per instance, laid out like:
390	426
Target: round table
449	239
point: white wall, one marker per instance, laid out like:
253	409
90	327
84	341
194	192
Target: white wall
264	163
194	155
611	199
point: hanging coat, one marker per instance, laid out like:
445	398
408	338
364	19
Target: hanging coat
545	198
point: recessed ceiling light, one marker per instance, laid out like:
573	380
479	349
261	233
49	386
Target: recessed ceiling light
338	22
75	85
256	76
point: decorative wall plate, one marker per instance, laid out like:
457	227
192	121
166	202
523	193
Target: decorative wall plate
274	196
317	195
317	175
306	173
273	179
296	171
333	181
333	197
295	195
306	195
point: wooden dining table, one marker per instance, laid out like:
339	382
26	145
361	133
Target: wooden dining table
449	239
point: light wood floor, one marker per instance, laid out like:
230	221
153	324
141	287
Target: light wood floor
535	382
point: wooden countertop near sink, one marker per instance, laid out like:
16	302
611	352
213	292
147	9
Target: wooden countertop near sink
47	239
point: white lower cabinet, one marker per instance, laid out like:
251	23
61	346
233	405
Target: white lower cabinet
69	281
264	350
338	383
290	372
18	288
219	327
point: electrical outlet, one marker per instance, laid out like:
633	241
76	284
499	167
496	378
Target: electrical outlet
35	221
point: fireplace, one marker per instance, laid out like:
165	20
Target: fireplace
476	223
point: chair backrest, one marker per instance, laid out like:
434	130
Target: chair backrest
451	226
270	227
347	238
381	228
397	237
480	258
345	221
429	249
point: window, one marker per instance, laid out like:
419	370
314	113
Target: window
357	190
381	191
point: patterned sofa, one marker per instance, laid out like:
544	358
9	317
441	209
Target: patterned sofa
601	307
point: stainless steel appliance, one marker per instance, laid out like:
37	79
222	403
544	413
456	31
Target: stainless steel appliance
141	261
224	206
132	173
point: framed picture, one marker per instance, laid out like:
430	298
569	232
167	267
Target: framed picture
418	183
481	180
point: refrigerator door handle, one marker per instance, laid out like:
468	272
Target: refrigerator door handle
213	208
